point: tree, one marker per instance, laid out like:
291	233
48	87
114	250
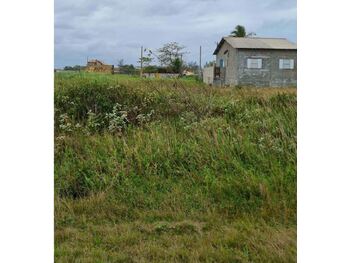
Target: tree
176	65
193	66
120	63
75	68
68	68
209	64
240	32
146	61
78	67
127	69
169	53
150	69
147	58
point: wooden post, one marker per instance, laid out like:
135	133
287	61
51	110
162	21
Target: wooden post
200	62
181	64
141	61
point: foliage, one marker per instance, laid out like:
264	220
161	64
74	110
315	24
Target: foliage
154	69
180	171
177	65
240	32
209	64
120	63
147	58
117	120
127	69
93	123
192	66
75	68
169	53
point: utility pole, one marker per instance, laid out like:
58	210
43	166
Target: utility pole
181	64
200	62
141	61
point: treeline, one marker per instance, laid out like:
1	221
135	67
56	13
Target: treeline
167	59
75	68
131	70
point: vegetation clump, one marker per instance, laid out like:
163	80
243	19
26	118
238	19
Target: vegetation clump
173	171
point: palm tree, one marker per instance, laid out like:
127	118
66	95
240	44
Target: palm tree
240	32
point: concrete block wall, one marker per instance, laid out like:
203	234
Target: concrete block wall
208	75
228	54
270	75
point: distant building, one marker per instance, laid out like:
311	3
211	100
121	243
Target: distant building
95	65
161	75
188	73
268	62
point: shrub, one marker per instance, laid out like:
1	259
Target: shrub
117	119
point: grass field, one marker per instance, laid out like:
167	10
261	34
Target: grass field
173	171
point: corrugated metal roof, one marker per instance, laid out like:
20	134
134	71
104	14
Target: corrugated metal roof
257	43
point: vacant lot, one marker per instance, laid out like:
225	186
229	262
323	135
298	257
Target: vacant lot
173	171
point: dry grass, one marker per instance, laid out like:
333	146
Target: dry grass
208	238
188	241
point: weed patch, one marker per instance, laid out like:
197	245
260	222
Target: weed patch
173	171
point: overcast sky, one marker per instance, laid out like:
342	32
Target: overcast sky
115	29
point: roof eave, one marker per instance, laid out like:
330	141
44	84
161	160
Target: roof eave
219	46
266	48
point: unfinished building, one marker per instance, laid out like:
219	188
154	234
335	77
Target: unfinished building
95	65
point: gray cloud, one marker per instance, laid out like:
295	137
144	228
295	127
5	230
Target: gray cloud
115	29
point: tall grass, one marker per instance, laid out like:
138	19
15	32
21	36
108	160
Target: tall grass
175	161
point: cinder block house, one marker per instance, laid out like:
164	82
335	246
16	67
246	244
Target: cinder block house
98	66
261	62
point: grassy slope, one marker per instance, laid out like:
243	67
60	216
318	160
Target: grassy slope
195	174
